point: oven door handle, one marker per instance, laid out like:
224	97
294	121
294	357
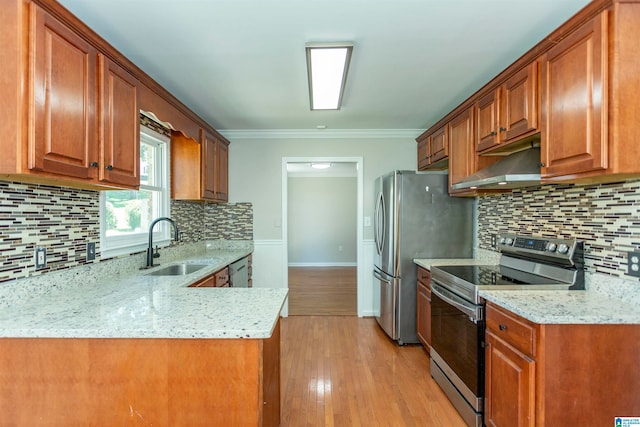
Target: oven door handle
473	311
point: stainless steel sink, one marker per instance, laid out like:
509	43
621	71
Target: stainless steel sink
177	270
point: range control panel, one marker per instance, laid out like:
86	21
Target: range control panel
559	250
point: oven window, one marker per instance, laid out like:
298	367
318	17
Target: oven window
458	341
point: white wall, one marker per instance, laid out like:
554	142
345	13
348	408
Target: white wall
322	221
255	175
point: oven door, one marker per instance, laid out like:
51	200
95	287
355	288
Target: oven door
457	334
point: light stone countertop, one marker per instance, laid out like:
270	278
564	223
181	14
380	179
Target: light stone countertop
556	307
142	306
565	307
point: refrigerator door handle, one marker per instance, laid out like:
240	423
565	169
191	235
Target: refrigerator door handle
379	223
381	277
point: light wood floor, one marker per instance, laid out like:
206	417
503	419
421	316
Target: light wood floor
344	371
322	291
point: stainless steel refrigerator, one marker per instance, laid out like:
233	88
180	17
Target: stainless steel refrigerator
414	218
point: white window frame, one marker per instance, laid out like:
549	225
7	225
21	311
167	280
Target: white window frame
111	246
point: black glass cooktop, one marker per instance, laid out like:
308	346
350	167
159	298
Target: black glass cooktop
495	275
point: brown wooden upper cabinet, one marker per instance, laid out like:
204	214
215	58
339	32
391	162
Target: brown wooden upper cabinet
591	99
510	112
433	149
577	91
574	119
82	120
462	155
217	167
199	170
120	125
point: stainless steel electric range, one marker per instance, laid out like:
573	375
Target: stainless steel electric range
457	311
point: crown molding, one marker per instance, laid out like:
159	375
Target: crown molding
320	133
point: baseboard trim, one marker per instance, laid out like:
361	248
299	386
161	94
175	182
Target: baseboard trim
322	264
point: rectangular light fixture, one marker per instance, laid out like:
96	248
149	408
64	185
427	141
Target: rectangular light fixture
327	66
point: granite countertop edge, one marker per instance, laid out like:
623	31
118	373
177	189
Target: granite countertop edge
141	306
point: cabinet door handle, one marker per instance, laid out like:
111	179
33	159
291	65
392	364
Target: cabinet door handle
493	133
503	130
109	167
541	164
93	164
503	327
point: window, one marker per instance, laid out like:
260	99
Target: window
125	215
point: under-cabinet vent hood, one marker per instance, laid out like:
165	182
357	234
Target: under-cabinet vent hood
517	170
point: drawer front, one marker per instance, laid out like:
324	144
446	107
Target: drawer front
222	277
513	329
424	276
207	282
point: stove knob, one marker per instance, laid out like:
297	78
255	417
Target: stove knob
562	248
552	247
502	240
509	241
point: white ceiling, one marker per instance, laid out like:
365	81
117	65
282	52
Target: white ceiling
240	64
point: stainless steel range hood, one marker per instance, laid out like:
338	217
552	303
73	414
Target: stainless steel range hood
517	170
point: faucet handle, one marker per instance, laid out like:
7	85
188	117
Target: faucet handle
156	254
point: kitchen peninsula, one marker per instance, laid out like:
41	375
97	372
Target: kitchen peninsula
138	349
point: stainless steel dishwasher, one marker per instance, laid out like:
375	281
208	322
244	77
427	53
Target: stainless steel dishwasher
239	273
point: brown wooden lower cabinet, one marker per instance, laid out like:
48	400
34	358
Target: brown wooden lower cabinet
219	279
122	381
424	308
559	374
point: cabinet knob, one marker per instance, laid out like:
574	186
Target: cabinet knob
493	133
541	164
503	129
109	167
503	327
93	164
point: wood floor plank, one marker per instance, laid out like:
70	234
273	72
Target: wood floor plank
322	291
344	371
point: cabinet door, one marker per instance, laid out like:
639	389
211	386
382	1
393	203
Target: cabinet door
574	102
63	105
208	167
438	145
487	110
519	104
221	184
509	385
120	125
424	315
423	154
461	158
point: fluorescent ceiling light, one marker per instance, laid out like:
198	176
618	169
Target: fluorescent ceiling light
327	66
321	165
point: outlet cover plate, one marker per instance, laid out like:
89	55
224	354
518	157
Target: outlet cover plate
91	251
633	264
40	258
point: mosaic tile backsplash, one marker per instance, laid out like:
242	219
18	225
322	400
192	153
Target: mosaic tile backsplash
63	219
605	216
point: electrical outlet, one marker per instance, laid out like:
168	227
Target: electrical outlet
91	251
40	258
493	241
633	264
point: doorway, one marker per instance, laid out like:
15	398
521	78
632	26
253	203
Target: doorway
322	235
